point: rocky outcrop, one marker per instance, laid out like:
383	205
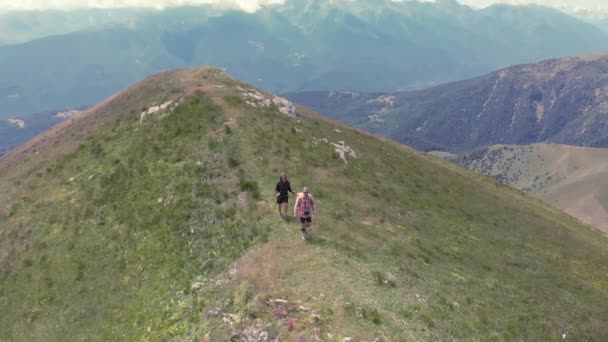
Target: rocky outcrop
17	122
161	110
256	99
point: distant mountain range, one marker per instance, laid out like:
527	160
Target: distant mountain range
24	26
557	101
375	45
489	121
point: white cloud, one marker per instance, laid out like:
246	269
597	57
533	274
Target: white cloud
247	5
253	5
566	5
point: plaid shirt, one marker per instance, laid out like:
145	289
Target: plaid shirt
305	204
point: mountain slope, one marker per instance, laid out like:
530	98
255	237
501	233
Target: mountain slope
118	225
303	45
559	101
571	178
16	131
23	26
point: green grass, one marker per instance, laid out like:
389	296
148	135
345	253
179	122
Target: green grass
140	219
405	246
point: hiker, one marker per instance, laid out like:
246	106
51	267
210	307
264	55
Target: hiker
283	189
304	208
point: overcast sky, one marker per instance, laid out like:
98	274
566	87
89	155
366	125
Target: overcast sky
252	5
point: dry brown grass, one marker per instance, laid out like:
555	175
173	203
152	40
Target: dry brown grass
262	267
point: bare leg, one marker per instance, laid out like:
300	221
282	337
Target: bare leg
304	233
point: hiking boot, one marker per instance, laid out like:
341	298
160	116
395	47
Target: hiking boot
304	236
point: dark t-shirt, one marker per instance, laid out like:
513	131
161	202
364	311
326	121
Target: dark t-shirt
283	188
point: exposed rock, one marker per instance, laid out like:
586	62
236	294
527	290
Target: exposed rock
285	106
419	298
376	118
17	122
303	308
67	114
253	333
163	109
282	301
385	99
344	151
231	319
257	100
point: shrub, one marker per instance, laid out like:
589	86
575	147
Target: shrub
233	162
372	315
251	187
427	318
383	279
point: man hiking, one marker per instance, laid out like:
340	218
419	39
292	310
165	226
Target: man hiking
282	193
304	208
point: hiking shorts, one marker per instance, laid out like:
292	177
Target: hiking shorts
306	219
282	199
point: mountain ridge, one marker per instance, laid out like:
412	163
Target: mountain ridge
405	46
151	216
555	101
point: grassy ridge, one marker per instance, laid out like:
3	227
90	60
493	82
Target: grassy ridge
167	230
122	225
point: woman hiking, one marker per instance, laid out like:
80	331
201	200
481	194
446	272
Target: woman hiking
304	208
283	189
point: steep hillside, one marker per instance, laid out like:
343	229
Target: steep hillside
571	178
559	101
18	130
378	45
151	217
